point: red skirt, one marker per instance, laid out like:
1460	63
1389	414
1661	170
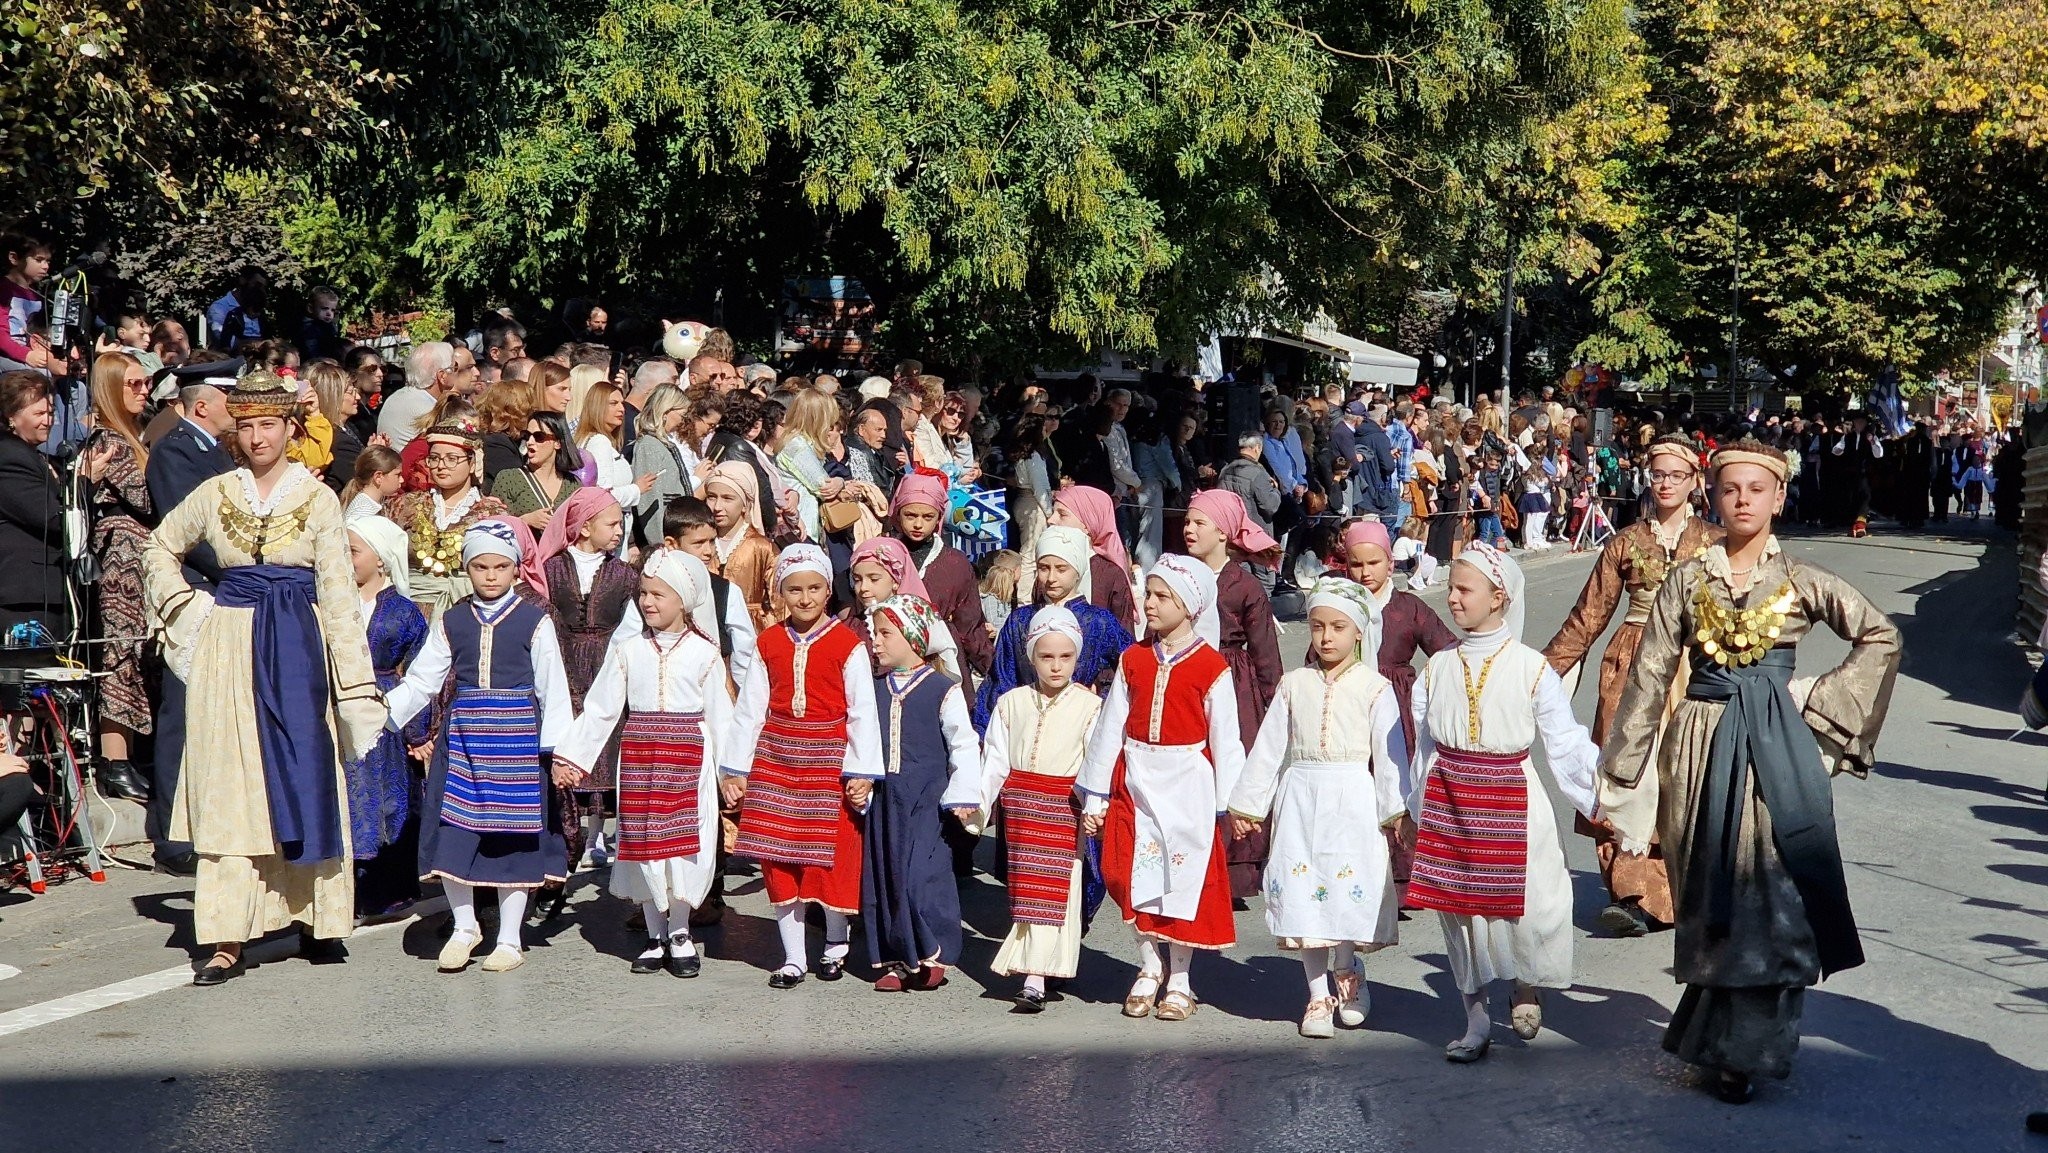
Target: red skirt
661	765
1214	925
795	821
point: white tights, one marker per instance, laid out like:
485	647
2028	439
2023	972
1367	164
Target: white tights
1178	958
1317	964
511	912
674	925
789	924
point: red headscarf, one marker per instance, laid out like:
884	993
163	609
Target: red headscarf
1098	515
923	487
1226	508
566	526
530	569
894	557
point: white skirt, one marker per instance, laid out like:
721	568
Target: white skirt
1329	878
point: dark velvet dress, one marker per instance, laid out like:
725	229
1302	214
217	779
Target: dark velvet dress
1251	646
1409	626
909	901
584	627
949	577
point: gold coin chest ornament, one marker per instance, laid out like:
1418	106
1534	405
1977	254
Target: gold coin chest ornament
1738	638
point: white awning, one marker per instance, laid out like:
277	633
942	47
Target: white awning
1366	362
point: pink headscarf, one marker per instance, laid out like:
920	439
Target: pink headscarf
741	476
921	487
530	569
1098	513
894	557
565	527
1360	532
1226	508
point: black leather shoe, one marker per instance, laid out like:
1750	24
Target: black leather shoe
831	970
181	865
681	966
321	950
1029	1001
553	901
1734	1088
217	974
785	979
119	780
653	959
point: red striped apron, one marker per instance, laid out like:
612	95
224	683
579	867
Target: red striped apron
1043	838
661	764
795	801
1472	844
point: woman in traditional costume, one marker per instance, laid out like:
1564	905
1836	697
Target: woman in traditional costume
281	692
806	720
1030	759
1161	763
437	519
1743	765
668	684
1633	566
1487	856
1336	729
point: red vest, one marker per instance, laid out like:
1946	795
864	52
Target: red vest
823	673
1183	712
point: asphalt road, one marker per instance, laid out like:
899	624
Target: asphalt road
1938	1043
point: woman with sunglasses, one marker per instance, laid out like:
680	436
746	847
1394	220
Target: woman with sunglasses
122	516
547	478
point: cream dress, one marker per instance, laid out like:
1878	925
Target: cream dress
244	888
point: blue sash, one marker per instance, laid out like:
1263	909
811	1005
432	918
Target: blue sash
288	672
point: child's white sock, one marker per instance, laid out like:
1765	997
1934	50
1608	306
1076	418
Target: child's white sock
838	937
657	920
1178	958
789	924
1315	964
511	917
1035	983
462	906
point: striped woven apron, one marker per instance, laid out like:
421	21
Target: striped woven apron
661	765
494	775
1472	844
794	796
1043	840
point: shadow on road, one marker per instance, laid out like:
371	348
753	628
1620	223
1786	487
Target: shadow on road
1979	602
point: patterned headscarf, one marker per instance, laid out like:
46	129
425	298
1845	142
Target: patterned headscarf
1195	584
894	557
507	537
1356	601
802	557
1503	573
1098	512
923	628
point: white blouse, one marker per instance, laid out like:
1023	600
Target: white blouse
1521	700
863	737
1032	732
429	671
613	472
1315	721
668	673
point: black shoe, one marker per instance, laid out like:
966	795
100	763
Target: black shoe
2037	1122
321	950
653	959
119	780
831	970
785	978
1029	1001
181	865
1734	1088
214	974
1623	919
553	902
681	966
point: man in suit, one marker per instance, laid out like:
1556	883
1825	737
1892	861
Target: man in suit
185	457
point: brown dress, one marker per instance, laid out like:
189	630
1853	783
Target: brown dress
121	516
584	624
1634	565
751	569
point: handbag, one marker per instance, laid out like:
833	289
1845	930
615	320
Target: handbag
839	514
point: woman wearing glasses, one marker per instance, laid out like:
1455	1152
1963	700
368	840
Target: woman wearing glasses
533	491
435	520
1633	566
122	516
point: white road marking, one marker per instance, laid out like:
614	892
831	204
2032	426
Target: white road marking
135	988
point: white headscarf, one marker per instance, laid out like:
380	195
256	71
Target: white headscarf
1071	545
388	541
801	557
1356	601
1049	621
1194	582
1504	574
691	581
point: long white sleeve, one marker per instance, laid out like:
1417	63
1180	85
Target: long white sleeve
423	680
1876	449
749	714
1252	799
995	769
1424	757
1389	757
1105	745
551	686
603	705
863	718
1226	743
718	712
739	632
613	472
630	624
962	748
1567	747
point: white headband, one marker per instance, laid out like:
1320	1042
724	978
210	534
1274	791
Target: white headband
1052	620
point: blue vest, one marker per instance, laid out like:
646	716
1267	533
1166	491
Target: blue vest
511	644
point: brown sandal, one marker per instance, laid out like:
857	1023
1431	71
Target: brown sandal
1175	1006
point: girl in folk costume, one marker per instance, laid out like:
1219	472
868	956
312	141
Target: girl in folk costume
882	569
1030	759
918	510
1220	535
1062	580
1487	857
590	598
746	557
1406	623
383	792
281	691
1337	729
1109	578
1161	762
1633	565
668	682
490	817
1744	812
908	899
436	520
806	719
